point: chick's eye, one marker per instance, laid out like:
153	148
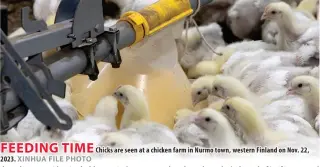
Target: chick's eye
216	88
228	108
120	94
207	119
273	12
199	93
300	85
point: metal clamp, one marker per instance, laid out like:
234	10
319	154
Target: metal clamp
93	23
114	57
89	48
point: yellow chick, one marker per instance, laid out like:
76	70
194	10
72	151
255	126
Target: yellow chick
308	88
309	7
227	52
182	113
201	89
135	104
203	68
137	116
218	129
242	113
217	105
226	86
211	67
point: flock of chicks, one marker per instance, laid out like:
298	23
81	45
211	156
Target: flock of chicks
254	93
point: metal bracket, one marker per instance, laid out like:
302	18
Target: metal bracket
31	26
28	88
53	86
85	21
114	56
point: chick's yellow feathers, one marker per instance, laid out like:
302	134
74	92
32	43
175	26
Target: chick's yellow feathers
183	113
309	7
252	122
226	54
50	20
246	115
217	105
203	68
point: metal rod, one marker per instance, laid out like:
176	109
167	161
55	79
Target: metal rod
70	62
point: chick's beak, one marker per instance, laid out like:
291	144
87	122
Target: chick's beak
264	16
290	91
195	119
115	95
194	102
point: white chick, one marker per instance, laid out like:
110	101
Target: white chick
317	123
104	115
197	49
187	132
216	11
270	32
201	89
248	46
292	33
315	72
42	9
29	127
264	80
106	110
137	116
109	23
270	29
288	122
308	88
217	127
11	136
244	18
260	57
122	139
132	5
90	134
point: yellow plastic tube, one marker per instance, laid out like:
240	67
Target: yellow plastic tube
157	16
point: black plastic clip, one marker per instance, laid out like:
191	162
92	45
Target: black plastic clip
89	47
114	56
